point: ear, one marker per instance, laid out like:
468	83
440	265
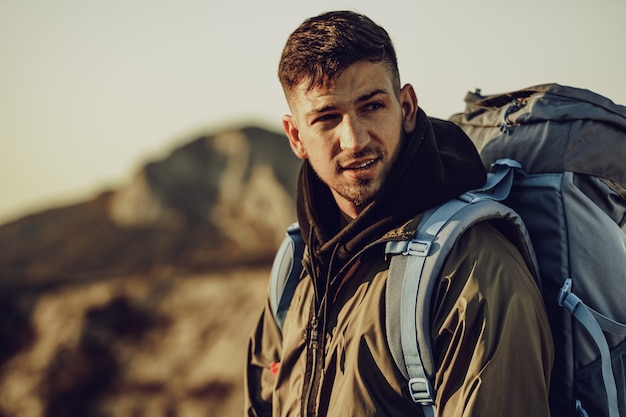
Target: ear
408	102
293	134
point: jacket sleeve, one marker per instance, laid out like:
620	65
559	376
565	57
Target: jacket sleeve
492	340
264	350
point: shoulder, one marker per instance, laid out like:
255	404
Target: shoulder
483	243
485	265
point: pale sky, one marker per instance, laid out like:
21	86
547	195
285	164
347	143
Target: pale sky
90	90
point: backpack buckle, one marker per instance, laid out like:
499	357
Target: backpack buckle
566	298
564	291
421	391
418	247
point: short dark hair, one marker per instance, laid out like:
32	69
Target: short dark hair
322	47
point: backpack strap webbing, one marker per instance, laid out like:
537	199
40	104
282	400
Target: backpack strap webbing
285	273
412	277
594	323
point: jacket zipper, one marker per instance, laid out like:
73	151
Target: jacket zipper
312	383
309	407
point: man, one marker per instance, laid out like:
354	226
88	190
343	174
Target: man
372	164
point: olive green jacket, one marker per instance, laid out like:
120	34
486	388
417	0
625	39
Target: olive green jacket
491	337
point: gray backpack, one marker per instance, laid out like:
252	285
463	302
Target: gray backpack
572	145
569	197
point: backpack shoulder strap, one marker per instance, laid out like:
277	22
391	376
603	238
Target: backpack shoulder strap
413	274
285	273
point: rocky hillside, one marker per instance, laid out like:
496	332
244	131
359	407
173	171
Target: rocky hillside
220	200
139	301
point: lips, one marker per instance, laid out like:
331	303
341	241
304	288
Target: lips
359	165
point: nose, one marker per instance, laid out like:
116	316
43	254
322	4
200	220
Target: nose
354	135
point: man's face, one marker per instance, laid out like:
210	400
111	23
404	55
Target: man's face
350	131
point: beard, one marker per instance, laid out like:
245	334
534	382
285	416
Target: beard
361	192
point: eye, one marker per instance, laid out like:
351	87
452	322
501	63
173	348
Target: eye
326	118
374	106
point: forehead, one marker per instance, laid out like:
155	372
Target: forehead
356	81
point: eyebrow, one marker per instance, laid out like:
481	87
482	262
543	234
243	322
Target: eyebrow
361	99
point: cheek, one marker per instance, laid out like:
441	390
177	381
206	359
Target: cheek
320	146
322	161
392	137
318	155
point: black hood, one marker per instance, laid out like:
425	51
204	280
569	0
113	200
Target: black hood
436	163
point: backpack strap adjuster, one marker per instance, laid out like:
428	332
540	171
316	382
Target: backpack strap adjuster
421	391
564	299
418	247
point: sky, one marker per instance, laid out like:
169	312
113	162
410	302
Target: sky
91	90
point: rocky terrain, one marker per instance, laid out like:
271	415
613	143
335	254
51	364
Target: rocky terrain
139	302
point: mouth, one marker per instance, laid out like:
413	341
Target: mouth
360	169
359	165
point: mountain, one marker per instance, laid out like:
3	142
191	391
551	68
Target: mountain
139	302
220	200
